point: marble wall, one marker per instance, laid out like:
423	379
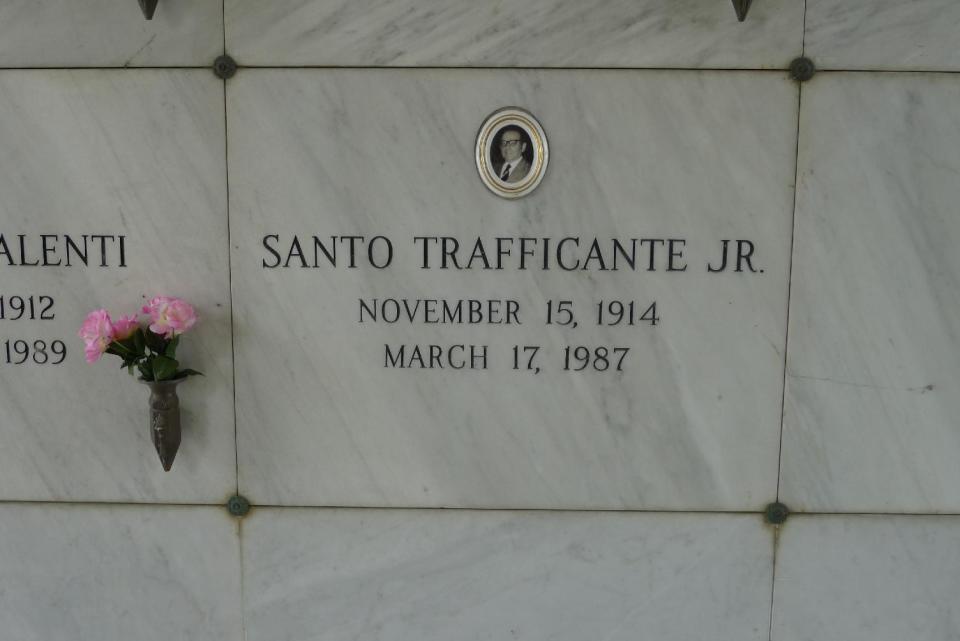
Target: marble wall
498	502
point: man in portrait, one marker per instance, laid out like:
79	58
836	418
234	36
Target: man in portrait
513	145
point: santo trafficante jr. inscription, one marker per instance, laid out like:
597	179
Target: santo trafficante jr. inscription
567	253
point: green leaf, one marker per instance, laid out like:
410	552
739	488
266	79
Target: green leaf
164	368
146	371
188	372
130	369
171	350
155	342
139	343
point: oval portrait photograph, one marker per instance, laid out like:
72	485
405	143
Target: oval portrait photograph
511	152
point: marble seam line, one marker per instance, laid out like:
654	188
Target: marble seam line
505	69
786	337
256	506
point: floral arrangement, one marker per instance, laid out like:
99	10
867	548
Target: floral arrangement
151	349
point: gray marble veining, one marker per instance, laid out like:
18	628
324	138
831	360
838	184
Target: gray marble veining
86	573
109	33
883	34
693	420
514	33
314	575
873	392
868	578
138	154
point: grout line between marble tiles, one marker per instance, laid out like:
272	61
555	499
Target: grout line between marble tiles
223	23
773	578
437	68
786	337
933	72
243	595
947	72
233	350
508	68
256	506
803	34
84	503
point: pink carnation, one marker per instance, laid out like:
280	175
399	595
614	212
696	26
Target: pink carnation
125	327
169	316
97	333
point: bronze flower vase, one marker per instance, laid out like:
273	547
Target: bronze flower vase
165	419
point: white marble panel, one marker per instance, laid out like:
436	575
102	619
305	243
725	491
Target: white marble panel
313	575
883	34
868	578
109	33
515	33
692	421
873	387
73	573
112	153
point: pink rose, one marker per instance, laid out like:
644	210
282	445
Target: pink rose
125	327
97	333
169	316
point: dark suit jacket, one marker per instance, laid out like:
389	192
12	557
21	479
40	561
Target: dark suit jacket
517	173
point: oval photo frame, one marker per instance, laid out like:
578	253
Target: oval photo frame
512	152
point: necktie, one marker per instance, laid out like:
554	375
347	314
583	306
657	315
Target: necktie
506	173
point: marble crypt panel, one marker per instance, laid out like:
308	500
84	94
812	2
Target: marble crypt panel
109	33
470	575
114	191
868	578
517	33
872	392
405	337
883	34
85	573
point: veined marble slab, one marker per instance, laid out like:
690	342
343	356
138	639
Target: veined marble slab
112	153
514	33
74	573
876	578
692	421
873	385
883	34
313	575
109	33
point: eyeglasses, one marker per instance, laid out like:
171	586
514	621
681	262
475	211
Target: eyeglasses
510	143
